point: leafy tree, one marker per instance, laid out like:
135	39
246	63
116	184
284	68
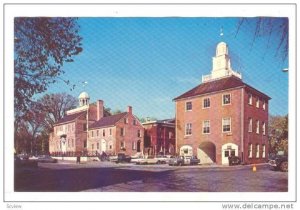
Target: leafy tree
270	27
55	106
42	46
278	133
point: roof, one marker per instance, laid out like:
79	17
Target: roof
218	85
71	117
107	121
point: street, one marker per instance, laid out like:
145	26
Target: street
111	177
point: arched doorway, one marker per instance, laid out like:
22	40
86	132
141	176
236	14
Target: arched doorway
207	152
103	145
229	149
186	150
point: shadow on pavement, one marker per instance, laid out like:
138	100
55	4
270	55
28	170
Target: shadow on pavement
72	180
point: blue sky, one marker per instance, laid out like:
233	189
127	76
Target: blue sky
146	62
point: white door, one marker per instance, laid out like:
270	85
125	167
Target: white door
103	145
229	149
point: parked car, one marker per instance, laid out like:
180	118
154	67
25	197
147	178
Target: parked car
162	159
184	160
234	160
45	159
191	160
122	158
147	160
176	161
279	162
113	158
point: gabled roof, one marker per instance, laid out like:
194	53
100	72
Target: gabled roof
71	117
107	121
218	85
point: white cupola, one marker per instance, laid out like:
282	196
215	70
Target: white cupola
221	66
84	99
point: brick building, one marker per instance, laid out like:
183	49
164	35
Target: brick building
79	130
222	117
159	137
117	133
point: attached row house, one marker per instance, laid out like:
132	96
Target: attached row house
88	129
222	117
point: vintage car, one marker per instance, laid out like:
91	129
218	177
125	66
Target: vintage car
183	160
279	162
234	160
148	160
162	159
122	158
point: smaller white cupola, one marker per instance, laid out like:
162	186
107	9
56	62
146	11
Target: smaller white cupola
84	99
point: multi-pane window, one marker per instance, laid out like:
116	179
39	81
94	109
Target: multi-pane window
263	151
125	120
206	126
92	133
134	122
122	144
250	151
264	128
264	105
84	144
226	99
110	132
257	150
250	125
257	126
226	124
188	129
139	133
188	106
98	145
122	132
257	102
97	132
84	127
103	132
206	103
250	99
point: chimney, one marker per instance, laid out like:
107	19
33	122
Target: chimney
100	109
129	109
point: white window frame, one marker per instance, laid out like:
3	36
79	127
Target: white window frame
203	103
257	126
257	102
203	126
264	128
123	131
186	106
250	125
264	105
139	133
223	99
223	124
250	101
263	151
250	151
257	150
186	129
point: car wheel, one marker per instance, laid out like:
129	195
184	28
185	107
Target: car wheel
284	166
158	162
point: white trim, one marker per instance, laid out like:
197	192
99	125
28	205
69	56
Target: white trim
257	102
204	127
223	98
185	129
203	103
257	151
223	124
186	106
250	120
257	127
250	98
250	148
